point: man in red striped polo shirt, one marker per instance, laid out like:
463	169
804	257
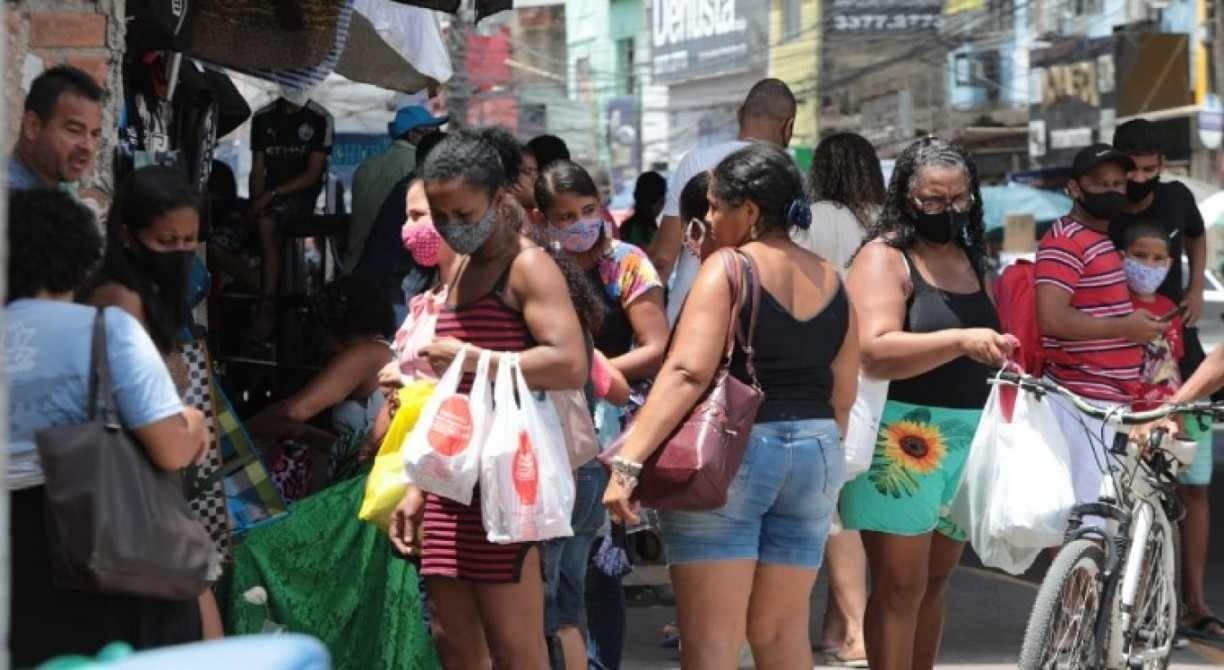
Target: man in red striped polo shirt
1091	332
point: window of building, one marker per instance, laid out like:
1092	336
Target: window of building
791	20
626	64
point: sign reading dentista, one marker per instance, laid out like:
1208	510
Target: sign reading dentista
698	39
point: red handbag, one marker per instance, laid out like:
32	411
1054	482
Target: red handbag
695	465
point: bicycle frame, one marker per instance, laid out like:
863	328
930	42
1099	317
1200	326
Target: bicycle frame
1134	502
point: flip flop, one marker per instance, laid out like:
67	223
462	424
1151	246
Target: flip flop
836	660
1201	629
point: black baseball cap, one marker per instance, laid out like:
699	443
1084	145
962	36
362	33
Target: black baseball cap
1089	158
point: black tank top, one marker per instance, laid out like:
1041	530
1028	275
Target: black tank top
615	336
794	359
961	382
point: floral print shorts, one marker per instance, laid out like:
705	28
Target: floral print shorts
916	469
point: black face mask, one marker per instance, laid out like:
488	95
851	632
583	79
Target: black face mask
1105	206
1136	191
169	272
940	228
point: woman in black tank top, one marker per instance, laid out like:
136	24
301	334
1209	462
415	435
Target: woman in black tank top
927	323
766	543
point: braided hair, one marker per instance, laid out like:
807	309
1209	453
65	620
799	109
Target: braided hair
895	224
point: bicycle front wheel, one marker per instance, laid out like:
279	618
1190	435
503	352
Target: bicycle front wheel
1149	642
1061	633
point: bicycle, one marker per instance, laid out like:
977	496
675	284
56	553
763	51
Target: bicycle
1110	598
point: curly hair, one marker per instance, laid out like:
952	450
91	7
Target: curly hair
55	243
508	148
466	155
895	224
846	170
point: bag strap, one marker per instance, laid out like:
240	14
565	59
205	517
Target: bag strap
100	389
753	279
733	264
734	270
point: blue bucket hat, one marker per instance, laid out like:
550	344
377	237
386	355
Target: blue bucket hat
412	117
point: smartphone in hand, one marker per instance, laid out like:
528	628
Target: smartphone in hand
1175	312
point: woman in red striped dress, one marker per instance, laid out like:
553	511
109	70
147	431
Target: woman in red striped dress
507	295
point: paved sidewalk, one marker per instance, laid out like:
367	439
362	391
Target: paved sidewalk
986	616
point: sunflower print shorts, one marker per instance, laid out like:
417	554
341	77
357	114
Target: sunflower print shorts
917	466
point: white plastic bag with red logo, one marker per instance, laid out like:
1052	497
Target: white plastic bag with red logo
526	485
442	454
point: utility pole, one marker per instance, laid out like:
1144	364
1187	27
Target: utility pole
1217	44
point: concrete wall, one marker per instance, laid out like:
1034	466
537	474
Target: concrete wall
88	34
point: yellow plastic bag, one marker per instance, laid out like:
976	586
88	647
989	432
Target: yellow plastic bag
386	485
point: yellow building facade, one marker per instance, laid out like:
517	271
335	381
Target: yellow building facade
794	57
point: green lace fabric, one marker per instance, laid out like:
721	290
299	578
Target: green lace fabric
330	575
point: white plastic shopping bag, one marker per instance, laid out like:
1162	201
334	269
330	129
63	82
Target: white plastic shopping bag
1016	493
442	454
863	428
526	485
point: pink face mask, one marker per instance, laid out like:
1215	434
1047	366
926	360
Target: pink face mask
422	241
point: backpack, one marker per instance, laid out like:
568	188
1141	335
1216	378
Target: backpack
1015	295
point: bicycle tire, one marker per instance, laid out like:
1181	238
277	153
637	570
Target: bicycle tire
1041	632
1154	568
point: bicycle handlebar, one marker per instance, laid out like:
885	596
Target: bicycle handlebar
1118	413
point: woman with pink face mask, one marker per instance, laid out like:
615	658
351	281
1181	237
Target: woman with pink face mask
633	337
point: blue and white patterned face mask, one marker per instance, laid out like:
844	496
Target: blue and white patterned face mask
1143	279
580	235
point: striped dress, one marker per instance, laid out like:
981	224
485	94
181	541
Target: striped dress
454	542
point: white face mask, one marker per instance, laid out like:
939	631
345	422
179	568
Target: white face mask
298	97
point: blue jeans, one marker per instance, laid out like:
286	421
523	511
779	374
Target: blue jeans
779	506
565	559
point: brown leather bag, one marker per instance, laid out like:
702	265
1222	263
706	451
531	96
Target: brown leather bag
695	466
117	523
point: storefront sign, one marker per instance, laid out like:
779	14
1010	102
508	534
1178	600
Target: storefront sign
697	39
1072	98
883	16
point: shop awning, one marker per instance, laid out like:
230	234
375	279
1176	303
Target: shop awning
379	42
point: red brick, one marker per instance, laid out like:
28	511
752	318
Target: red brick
96	66
67	29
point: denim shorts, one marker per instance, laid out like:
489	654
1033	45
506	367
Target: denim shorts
779	506
565	559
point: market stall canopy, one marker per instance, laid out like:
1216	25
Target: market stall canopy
379	42
999	202
394	46
483	7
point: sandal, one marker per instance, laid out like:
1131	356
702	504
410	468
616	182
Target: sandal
1201	629
670	636
836	660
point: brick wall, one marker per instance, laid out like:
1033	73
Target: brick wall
85	33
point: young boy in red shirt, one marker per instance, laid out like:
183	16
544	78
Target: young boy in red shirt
1146	263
